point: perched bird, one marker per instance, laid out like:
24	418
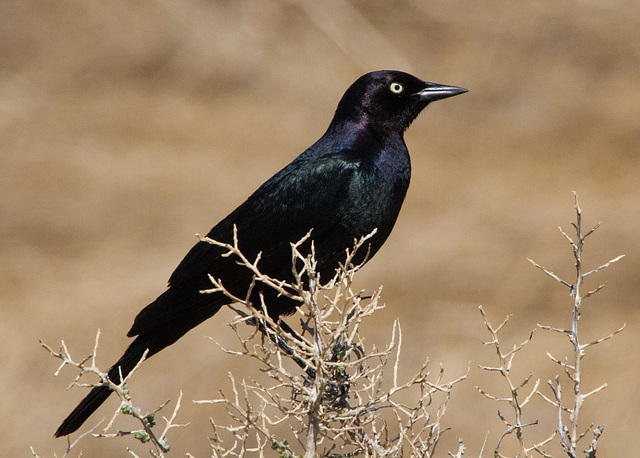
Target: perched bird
351	181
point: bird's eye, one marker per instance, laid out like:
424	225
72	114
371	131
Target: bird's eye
396	88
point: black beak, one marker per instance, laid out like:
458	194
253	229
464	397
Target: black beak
435	91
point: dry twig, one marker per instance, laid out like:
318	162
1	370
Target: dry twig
148	421
514	400
339	407
570	434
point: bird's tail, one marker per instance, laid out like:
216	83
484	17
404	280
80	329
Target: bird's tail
99	394
157	326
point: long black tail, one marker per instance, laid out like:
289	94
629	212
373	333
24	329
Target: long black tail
99	394
157	326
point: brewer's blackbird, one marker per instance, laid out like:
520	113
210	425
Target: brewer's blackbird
351	181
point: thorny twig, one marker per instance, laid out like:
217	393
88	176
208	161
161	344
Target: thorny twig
570	434
339	411
88	365
515	400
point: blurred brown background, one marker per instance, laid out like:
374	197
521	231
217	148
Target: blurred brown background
126	127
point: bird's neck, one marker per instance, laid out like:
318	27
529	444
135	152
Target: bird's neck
361	128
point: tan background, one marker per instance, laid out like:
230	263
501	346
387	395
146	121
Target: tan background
126	127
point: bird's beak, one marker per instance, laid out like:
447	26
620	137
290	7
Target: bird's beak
435	91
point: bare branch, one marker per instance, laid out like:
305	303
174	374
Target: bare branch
569	432
88	366
505	362
549	273
339	403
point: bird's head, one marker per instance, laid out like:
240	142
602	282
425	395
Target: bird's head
389	100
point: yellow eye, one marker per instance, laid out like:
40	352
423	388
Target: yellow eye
396	88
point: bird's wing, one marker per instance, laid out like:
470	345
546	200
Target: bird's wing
309	193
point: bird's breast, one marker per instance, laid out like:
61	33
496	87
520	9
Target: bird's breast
376	193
